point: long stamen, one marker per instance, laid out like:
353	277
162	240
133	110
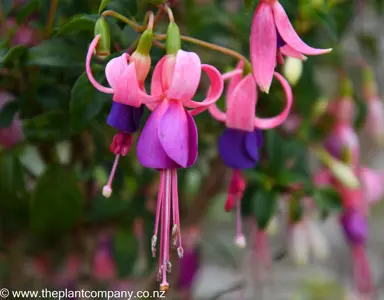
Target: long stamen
166	214
158	212
162	237
230	74
107	189
240	239
180	250
175	228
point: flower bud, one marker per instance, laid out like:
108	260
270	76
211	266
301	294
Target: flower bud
346	87
273	226
299	244
293	69
374	125
339	170
317	241
141	56
104	45
320	108
173	39
355	226
369	83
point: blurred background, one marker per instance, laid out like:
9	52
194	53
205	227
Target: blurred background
58	231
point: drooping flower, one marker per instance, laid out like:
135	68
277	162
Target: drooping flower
355	227
269	26
373	185
169	140
240	142
13	134
127	86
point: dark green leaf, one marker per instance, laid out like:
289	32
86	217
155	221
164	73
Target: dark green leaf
24	12
53	125
287	177
264	207
107	208
12	175
13	54
78	23
327	199
57	202
86	103
103	5
125	251
295	209
275	147
56	53
7	114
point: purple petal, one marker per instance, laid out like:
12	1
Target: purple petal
193	140
280	41
189	267
174	134
149	148
233	151
252	145
355	227
124	117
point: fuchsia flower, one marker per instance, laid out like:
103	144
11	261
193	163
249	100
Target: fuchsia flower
13	134
169	140
127	86
240	142
272	30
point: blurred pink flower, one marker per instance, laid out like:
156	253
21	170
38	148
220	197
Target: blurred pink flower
103	265
374	125
24	33
373	185
10	136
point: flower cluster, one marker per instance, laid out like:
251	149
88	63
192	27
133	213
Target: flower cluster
169	139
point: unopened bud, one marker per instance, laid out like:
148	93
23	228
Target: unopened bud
339	170
293	69
346	87
142	65
320	108
173	39
317	241
273	227
299	245
104	45
369	83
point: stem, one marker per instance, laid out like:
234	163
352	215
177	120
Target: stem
120	17
51	17
211	46
170	13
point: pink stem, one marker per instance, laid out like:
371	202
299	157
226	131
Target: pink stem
362	271
162	237
166	215
230	74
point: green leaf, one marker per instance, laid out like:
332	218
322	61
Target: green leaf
287	177
7	114
86	103
125	251
12	175
275	146
78	23
57	202
107	208
24	12
264	207
103	5
327	200
56	53
53	125
13	54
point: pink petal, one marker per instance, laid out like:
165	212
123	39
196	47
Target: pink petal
186	76
173	133
214	92
289	34
156	83
234	82
263	46
373	185
193	140
127	87
322	178
269	123
92	79
289	51
115	69
242	107
150	151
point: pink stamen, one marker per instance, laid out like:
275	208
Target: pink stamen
175	197
107	189
166	228
158	211
162	233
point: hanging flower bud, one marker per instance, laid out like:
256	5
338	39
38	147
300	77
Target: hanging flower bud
293	69
103	47
299	244
141	57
